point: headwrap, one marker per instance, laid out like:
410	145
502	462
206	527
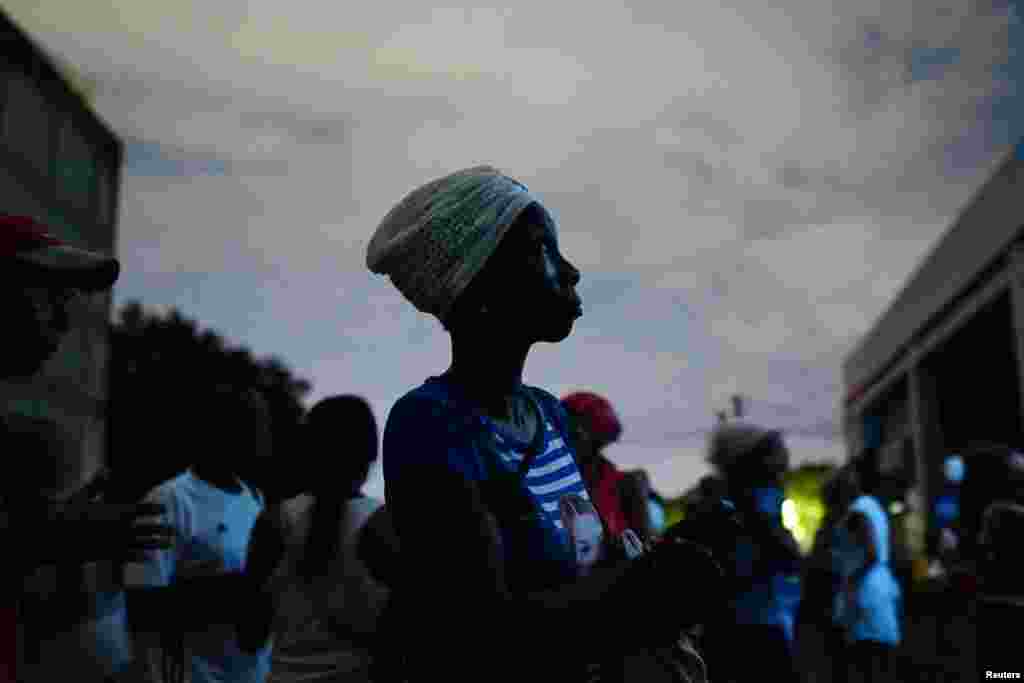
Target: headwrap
437	239
602	419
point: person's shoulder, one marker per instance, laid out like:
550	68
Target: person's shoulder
429	405
550	406
172	488
866	505
429	427
432	394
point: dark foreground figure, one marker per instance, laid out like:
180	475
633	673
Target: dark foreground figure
499	536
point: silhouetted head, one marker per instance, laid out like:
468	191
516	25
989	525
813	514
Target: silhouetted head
594	423
712	487
234	425
526	291
342	441
841	489
869	474
748	455
479	252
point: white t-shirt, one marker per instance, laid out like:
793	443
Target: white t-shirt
213	529
348	595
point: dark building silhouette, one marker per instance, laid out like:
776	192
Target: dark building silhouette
942	367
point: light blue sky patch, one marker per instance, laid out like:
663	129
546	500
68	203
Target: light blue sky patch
930	64
143	158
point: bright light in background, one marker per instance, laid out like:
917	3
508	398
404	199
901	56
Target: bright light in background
897	508
790	518
802	517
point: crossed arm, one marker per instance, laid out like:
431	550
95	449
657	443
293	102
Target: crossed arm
460	573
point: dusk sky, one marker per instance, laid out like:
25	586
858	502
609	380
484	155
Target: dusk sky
744	185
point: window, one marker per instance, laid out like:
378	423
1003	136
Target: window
106	192
28	121
75	166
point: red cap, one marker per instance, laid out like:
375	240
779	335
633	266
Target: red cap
27	241
604	423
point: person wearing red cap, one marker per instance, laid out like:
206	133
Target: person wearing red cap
40	279
621	499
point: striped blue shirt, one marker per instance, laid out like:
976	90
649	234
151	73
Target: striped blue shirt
436	423
553	473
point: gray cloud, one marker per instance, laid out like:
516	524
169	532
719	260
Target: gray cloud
744	185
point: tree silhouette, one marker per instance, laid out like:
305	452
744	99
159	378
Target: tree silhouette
161	368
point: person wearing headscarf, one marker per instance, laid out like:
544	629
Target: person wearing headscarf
621	498
498	536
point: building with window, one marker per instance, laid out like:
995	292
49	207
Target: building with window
941	369
60	164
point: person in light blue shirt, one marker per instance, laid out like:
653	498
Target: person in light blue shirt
868	605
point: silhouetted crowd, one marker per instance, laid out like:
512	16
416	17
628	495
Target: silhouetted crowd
510	548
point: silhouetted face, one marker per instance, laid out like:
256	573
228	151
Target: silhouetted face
528	287
36	319
236	432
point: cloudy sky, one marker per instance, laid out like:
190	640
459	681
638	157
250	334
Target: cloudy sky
745	185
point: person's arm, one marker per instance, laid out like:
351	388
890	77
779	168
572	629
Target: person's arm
378	547
452	561
93	532
158	598
267	547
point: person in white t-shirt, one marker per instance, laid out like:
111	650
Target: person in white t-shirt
328	553
213	512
